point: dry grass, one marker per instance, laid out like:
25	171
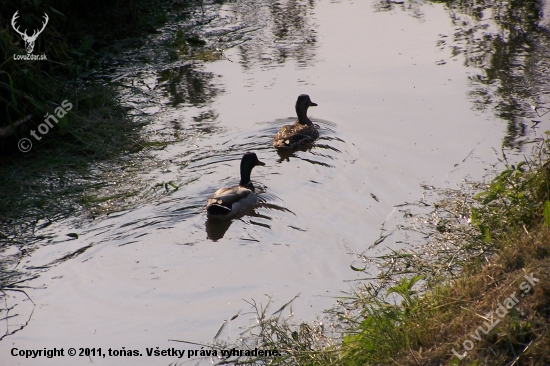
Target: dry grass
459	309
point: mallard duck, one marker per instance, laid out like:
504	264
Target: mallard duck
226	203
302	132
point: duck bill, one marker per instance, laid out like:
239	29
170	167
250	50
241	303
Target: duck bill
260	163
313	104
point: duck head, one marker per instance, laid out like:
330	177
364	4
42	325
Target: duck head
302	104
249	161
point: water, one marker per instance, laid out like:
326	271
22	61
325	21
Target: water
395	111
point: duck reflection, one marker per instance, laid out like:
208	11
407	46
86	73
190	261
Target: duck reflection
215	229
319	153
286	154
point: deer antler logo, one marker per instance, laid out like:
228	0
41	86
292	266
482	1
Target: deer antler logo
29	41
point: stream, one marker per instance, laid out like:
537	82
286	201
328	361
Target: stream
410	95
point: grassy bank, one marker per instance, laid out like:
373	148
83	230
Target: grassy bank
475	292
494	310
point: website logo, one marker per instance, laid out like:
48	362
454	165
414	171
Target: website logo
29	40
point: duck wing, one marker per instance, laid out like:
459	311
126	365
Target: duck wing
222	201
282	135
299	138
291	136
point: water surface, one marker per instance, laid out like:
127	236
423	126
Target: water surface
395	111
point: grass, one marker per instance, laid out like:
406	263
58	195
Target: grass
484	257
475	291
72	42
426	327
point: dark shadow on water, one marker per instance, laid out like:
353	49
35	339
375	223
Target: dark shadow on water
286	154
215	229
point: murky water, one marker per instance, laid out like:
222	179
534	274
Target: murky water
398	106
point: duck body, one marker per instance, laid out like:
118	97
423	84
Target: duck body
302	132
229	202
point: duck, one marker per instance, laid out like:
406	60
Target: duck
302	132
228	202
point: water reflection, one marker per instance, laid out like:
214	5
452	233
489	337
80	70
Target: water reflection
285	155
507	43
188	85
269	32
215	229
413	7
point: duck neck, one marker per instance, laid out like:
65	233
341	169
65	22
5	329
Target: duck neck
245	177
302	116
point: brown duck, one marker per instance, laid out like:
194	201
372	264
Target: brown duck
302	132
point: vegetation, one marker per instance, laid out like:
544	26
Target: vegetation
71	40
